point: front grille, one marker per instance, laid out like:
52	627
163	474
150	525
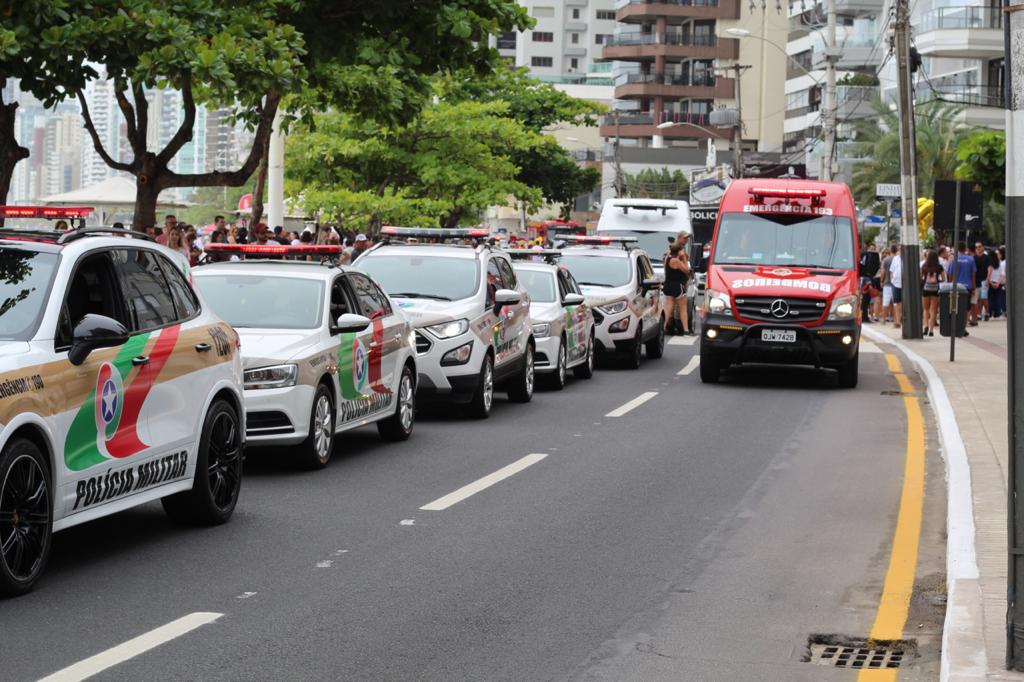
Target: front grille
797	309
267	423
423	344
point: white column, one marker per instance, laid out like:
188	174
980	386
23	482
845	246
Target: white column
275	176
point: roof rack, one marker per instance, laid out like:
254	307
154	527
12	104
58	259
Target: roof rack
329	252
78	233
549	255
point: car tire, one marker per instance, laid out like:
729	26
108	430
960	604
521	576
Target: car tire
848	372
556	380
26	516
656	346
635	352
479	406
218	477
315	452
586	370
521	389
710	366
398	426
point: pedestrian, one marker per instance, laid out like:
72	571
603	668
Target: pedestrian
886	279
932	275
966	271
176	242
677	275
984	265
870	264
362	243
219	224
170	223
997	285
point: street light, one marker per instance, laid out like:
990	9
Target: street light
711	134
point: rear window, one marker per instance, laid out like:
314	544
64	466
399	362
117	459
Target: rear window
25	280
540	285
784	240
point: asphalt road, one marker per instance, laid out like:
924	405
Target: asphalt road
704	534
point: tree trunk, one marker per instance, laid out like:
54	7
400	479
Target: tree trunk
261	183
10	151
146	194
452	219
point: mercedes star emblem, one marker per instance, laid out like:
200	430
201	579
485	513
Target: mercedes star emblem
779	308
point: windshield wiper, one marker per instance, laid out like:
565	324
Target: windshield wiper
411	294
594	284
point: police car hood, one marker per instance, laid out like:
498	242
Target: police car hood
597	296
749	280
262	347
545	312
423	312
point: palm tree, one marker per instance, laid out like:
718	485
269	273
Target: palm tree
938	138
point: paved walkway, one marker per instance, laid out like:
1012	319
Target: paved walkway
976	385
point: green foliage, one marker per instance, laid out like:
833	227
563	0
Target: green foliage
658	184
208	202
982	156
858	79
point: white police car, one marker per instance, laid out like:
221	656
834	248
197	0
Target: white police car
619	283
324	349
117	387
563	323
470	313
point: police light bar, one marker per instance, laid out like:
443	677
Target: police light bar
435	232
49	212
584	239
787	192
275	249
527	253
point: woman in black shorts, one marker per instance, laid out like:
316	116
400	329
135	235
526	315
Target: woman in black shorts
677	274
932	275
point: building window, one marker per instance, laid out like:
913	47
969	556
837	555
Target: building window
541	61
543	37
544	12
507	41
574	63
575	12
606	14
575	39
600	38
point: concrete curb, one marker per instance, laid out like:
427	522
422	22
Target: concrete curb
963	643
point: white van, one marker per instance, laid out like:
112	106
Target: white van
652	222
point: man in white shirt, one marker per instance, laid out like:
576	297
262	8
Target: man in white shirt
896	273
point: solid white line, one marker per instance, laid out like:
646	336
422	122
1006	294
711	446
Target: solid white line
634	403
132	648
690	366
682	340
473	488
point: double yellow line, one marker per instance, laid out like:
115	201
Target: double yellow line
899	578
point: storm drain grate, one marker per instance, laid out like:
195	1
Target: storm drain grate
842	652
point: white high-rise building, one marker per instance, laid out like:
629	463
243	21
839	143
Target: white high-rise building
62	153
110	128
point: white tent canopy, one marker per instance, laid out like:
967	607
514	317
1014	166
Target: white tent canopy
113	195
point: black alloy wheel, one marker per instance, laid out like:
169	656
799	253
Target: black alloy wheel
26	521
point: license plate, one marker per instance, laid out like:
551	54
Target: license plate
778	335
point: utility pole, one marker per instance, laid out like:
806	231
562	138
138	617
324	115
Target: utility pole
910	250
1013	36
737	135
619	191
831	111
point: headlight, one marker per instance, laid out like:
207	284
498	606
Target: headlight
278	376
613	308
717	302
457	356
448	330
541	330
843	307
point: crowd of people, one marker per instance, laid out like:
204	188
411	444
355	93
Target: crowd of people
980	270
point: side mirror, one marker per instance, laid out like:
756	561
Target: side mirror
504	297
349	323
652	283
573	299
93	332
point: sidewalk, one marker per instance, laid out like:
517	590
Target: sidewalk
977	390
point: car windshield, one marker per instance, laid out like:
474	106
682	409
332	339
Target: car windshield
784	239
601	271
416	276
654	243
539	284
25	278
246	300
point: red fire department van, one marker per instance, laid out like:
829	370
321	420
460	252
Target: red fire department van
782	283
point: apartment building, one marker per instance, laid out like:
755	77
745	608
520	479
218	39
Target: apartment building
861	47
565	44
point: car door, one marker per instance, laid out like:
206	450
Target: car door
386	333
102	429
575	319
516	318
358	354
651	299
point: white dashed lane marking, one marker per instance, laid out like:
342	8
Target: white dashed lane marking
132	648
632	404
683	340
690	366
473	488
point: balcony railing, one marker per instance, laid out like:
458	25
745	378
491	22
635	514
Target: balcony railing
506	43
575	79
684	3
667	79
984	16
600	67
637	38
971	95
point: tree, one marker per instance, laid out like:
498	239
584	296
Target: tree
658	184
982	156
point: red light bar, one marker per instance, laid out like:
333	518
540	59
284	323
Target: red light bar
276	249
435	232
783	192
50	212
584	239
